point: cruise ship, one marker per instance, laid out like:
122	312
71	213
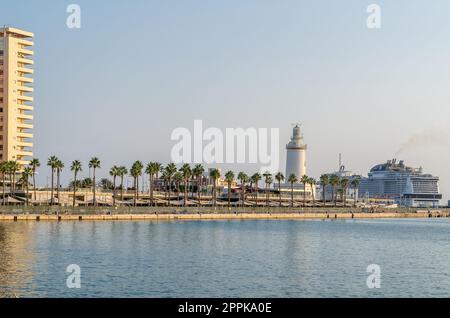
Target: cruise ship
407	186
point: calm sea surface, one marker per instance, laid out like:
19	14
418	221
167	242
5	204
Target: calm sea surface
226	258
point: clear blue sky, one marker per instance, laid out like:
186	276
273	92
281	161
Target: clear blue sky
136	70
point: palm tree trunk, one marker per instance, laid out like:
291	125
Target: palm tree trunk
279	190
34	183
57	184
292	195
198	190
121	188
4	180
151	189
26	202
214	193
304	195
170	186
114	190
323	194
51	192
74	187
185	191
229	194
94	200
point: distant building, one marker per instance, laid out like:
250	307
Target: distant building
296	154
404	185
15	95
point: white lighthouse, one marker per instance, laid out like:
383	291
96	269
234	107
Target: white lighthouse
296	155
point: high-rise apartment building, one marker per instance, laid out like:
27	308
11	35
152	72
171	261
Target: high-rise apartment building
16	95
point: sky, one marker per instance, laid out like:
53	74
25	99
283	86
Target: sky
117	87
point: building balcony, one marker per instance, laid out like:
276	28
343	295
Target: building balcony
25	61
24	126
25	89
25	70
26	98
25	42
23	162
25	144
25	107
25	116
25	51
24	153
24	135
25	79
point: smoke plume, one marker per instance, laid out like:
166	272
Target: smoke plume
425	138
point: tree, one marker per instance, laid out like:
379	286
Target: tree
243	178
214	175
152	170
324	180
170	170
292	179
123	171
136	172
198	173
177	179
4	171
267	181
94	164
344	185
34	164
229	178
59	167
355	185
255	179
334	181
186	172
52	162
114	172
13	168
75	167
280	178
26	174
312	183
304	179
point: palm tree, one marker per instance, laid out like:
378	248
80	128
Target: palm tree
280	178
324	181
355	185
292	179
3	171
243	178
52	162
34	163
334	181
136	172
186	172
214	175
59	167
13	168
198	173
229	178
255	179
123	171
75	167
344	185
170	170
177	179
26	174
94	163
312	182
267	178
114	172
152	170
304	179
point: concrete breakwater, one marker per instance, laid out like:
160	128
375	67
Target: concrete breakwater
204	213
